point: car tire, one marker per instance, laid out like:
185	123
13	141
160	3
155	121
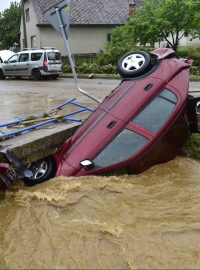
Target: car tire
134	64
54	77
43	170
2	76
36	75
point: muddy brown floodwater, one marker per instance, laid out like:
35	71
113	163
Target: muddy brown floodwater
145	221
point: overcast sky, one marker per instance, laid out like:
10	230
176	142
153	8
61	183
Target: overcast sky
6	4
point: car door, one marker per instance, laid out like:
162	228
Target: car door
22	66
9	66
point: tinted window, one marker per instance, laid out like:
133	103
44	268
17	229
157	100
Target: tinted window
24	57
121	148
36	56
155	114
53	56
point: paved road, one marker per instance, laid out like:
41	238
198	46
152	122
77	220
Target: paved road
25	97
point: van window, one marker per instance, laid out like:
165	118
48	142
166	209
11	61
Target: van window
23	57
13	59
126	144
153	116
36	56
53	56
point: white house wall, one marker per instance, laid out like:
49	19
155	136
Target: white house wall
82	39
185	41
31	29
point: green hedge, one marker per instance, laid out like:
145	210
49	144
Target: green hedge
99	64
92	68
190	53
109	69
192	147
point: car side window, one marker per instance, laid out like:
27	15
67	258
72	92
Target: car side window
126	144
36	56
13	59
24	57
153	116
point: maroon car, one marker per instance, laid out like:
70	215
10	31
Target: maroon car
144	121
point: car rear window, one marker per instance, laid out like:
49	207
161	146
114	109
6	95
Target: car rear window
53	56
36	56
126	144
153	116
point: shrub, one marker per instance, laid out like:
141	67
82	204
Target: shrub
192	147
195	70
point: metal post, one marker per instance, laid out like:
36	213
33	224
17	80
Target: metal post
61	26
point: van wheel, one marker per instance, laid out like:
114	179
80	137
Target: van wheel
54	77
2	76
42	170
36	75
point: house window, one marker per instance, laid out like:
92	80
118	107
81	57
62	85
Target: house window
27	14
153	116
109	37
33	42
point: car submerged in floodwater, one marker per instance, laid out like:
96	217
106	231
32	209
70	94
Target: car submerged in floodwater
144	121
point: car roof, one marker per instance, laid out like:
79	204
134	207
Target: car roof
45	49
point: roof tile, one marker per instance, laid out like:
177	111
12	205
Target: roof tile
95	12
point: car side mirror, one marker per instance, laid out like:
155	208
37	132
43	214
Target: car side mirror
87	164
6	61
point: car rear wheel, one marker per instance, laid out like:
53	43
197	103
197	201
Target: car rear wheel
36	75
2	76
134	64
42	170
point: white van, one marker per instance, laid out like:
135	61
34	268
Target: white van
33	63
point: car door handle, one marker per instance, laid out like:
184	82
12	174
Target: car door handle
111	124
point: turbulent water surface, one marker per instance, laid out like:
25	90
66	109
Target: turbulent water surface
148	221
151	220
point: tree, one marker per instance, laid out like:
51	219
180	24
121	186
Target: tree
196	23
120	43
9	26
163	20
155	21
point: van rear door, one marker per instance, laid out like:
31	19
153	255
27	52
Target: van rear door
54	61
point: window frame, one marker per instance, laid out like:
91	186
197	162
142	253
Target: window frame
27	14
